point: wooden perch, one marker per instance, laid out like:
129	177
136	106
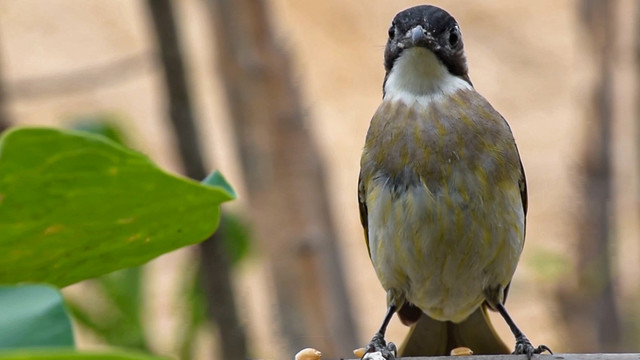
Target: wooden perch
313	354
635	356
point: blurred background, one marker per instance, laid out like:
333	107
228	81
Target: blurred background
278	96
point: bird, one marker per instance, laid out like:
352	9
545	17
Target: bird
442	195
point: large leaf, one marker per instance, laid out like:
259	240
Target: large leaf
55	354
33	316
75	206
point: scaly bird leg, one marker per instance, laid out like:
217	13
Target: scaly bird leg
378	344
523	345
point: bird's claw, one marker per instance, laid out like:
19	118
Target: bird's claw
524	346
378	349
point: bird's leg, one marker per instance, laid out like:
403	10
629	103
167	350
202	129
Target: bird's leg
523	345
378	344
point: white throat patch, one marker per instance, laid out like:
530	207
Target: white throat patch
418	75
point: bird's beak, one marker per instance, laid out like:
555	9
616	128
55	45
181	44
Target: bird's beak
418	36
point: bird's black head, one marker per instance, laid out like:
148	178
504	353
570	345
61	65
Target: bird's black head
429	27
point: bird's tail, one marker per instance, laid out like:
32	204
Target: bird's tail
429	337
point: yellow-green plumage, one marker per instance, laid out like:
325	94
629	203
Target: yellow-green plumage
441	186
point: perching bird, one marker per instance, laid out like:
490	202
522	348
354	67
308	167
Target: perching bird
442	195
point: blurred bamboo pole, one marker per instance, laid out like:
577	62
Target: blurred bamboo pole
634	330
214	267
285	179
636	49
590	309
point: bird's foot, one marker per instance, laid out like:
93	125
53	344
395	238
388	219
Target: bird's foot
378	349
523	346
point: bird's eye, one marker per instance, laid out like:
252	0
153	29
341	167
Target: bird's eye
392	31
454	37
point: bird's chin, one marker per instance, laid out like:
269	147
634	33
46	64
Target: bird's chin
417	73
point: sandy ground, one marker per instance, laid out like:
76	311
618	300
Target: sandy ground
526	58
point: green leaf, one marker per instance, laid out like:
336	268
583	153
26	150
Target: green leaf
57	354
101	124
33	316
194	311
75	206
235	235
216	179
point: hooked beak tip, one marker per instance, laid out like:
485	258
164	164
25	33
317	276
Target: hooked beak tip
418	34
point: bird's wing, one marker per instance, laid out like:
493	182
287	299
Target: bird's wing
362	204
522	182
523	191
